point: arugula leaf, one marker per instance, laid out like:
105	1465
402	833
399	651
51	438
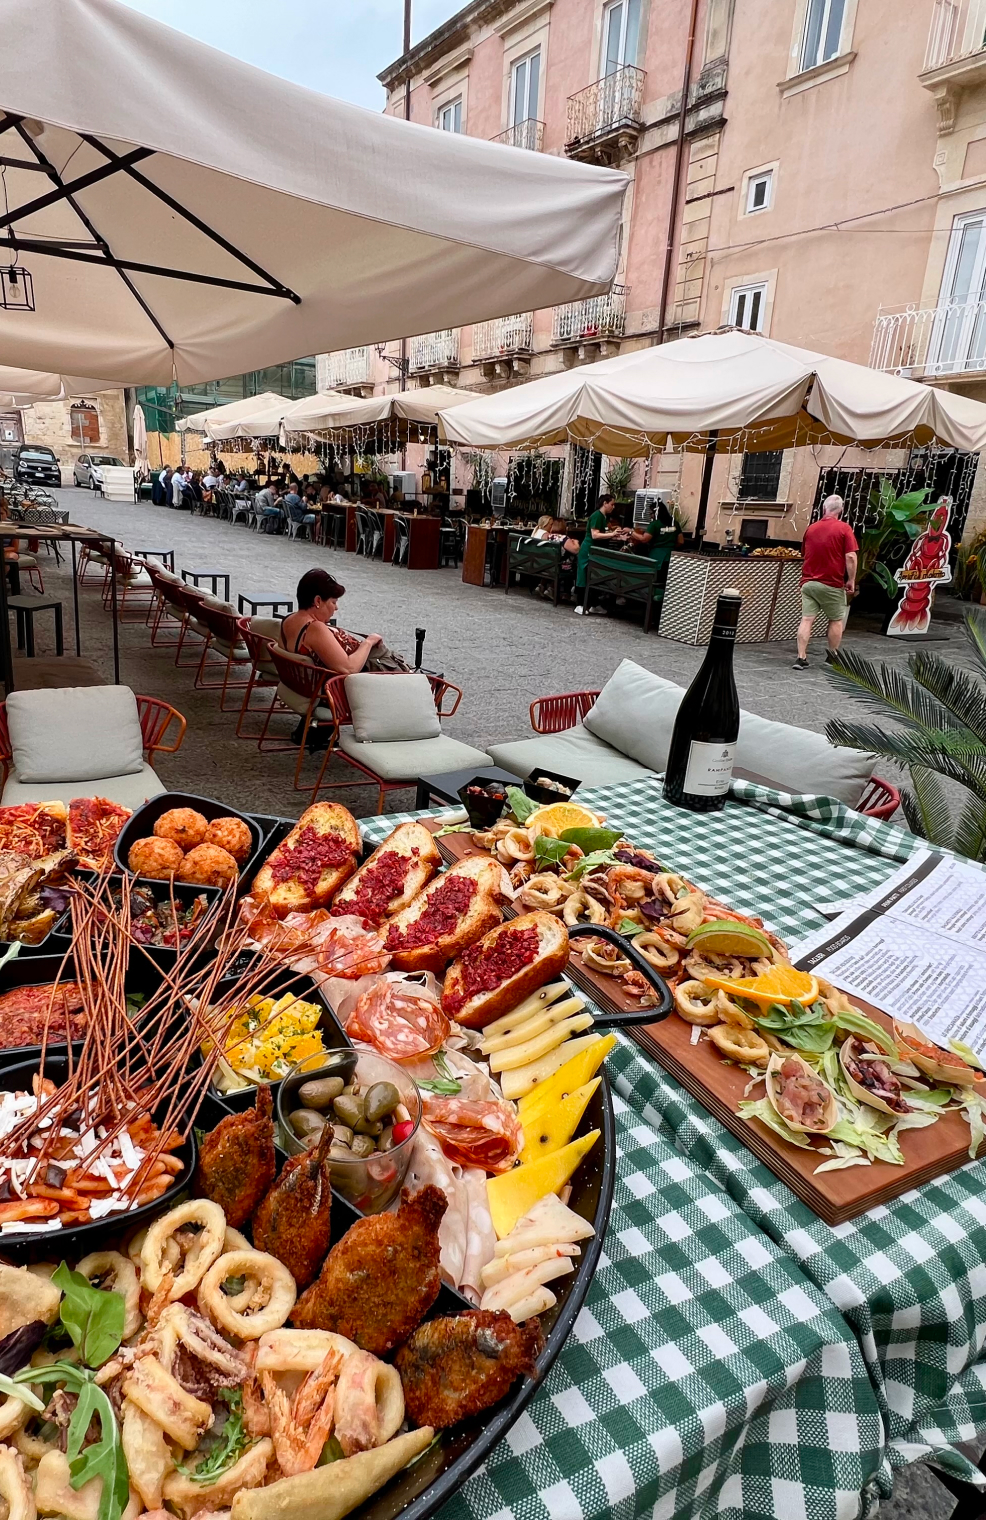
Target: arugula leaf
447	1085
232	1443
521	805
331	1452
629	927
764	1110
103	1458
591	862
592	839
92	1317
12	1390
548	851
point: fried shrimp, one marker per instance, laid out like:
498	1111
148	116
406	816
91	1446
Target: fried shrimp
629	885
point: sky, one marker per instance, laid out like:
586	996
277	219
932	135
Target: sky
335	46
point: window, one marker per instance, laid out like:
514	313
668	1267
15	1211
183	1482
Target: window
85	424
746	307
958	338
621	27
823	32
759	192
760	476
525	81
450	116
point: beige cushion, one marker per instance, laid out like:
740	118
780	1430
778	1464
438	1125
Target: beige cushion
797	760
417	757
392	709
74	733
238	652
129	791
266	627
635	713
574	752
299	705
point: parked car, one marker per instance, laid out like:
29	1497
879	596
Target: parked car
85	471
34	464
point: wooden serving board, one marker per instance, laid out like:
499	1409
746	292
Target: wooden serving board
834	1196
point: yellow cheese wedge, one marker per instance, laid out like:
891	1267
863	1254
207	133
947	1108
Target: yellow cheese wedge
536	1024
540	1044
581	1065
516	1084
512	1193
527	1009
551	1128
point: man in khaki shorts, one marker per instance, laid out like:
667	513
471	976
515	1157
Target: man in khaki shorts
828	577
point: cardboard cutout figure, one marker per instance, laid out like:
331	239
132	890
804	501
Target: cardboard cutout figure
924	568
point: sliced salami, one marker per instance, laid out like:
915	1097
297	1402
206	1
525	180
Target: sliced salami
486	1134
399	1021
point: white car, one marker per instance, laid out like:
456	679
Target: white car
86	469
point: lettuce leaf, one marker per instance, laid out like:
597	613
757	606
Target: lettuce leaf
763	1110
867	1029
967	1053
974	1107
592	862
858	1132
521	805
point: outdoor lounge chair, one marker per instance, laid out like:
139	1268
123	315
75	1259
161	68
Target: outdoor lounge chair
258	633
623	732
225	647
84	741
389	728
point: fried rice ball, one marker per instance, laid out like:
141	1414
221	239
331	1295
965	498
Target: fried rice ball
232	835
157	858
208	866
184	826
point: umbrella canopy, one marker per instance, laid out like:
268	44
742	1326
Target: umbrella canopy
140	441
23	387
743	391
185	215
237	419
334	412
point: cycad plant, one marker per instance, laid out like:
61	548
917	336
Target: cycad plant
940	713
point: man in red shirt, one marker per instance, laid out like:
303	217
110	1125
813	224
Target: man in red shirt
828	577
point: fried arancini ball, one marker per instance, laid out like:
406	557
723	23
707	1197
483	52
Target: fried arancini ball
183	825
230	834
157	858
208	866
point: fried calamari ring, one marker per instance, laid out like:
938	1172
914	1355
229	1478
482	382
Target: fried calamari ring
543	891
732	1013
516	844
97	1265
199	1257
696	1003
661	955
742	1045
15	1486
269	1292
605	957
369	1403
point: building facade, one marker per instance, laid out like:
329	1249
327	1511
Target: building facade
82	423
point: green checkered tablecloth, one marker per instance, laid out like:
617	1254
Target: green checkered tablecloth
705	1375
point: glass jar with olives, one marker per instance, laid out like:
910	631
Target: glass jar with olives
373	1109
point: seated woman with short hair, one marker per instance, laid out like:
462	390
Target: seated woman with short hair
307	631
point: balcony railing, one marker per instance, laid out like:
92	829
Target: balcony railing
348	366
523	134
958	30
938	341
588	321
504	335
437	350
611	104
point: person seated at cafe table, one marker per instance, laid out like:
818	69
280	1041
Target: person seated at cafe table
598	531
268	502
298	509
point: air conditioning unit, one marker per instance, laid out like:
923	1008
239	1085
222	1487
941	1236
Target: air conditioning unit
498	493
647	503
404	483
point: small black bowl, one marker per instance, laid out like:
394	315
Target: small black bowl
545	794
140	825
77	1239
484	811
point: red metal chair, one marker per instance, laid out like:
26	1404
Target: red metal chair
336	699
550	715
263	672
156	719
188	600
133	584
300	690
223	641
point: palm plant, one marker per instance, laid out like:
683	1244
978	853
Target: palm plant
889	517
618	476
940	710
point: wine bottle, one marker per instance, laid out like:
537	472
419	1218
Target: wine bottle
703	743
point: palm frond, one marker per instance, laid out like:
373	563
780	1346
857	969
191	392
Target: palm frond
975	628
885	686
970	831
908	749
931	809
960	692
911	812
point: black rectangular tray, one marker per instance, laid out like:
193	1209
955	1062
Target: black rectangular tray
41	971
141	823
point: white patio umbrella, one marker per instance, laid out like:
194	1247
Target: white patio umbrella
185	215
140	442
24	387
726	391
400	412
247	418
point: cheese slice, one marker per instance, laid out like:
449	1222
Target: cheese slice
536	1024
517	1083
540	1044
511	1194
584	1058
552	1127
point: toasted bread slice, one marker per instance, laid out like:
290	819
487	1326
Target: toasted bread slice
453	911
466	995
399	868
326	832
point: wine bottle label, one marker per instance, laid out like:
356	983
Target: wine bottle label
709	769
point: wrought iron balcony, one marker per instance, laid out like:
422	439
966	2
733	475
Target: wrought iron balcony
604	119
932	343
503	336
435	351
348	367
523	134
958	31
591	321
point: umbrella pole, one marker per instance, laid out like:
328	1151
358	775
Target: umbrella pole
75	601
703	500
116	626
5	655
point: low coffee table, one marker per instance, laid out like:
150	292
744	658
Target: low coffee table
279	606
193	577
445	788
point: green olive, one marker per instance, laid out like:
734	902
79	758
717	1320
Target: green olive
381	1100
369	1127
349	1109
386	1140
305	1121
319	1093
339	1152
342	1133
363	1146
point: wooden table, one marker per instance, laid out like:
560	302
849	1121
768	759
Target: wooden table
424	536
474	556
